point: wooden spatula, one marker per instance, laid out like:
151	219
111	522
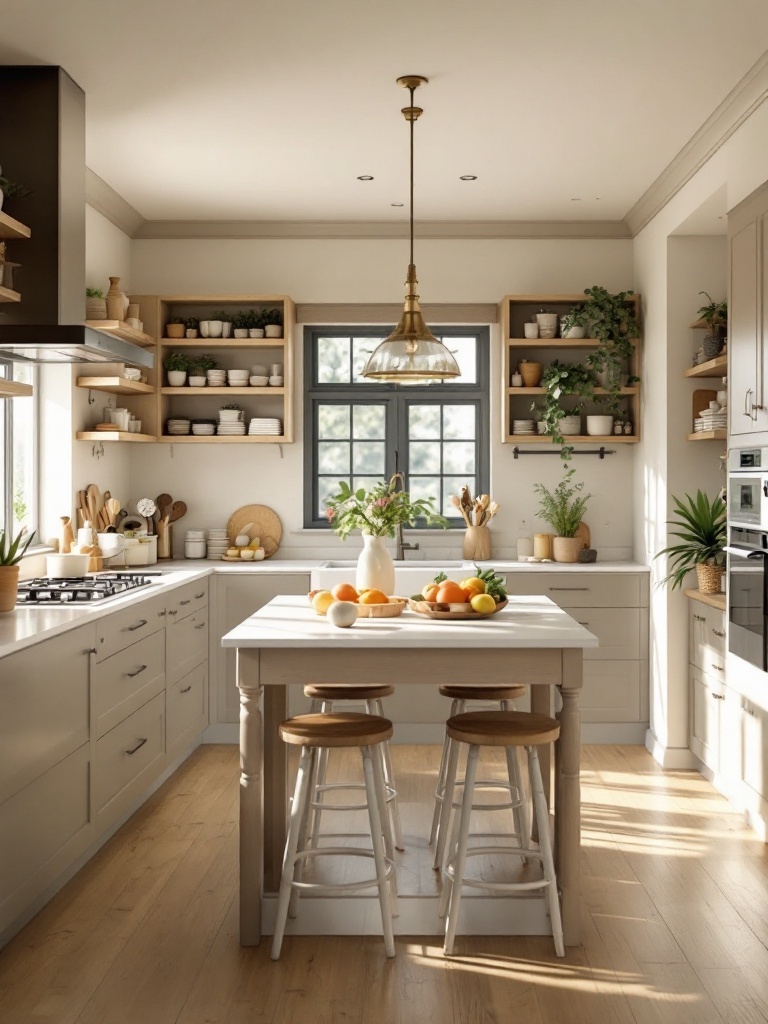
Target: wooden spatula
178	509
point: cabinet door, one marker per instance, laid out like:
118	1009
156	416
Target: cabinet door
742	330
706	696
186	711
611	691
706	636
186	645
237	597
754	760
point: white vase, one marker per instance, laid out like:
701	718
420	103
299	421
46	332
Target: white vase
375	569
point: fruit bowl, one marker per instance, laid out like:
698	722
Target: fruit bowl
395	606
433	610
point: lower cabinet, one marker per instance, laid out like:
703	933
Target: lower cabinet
235	598
186	710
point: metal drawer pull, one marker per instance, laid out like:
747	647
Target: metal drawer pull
200	595
173	612
201	626
90	650
161	613
585	589
137	747
582	623
182	603
699	618
139	670
186	689
718	632
130	629
719	696
720	668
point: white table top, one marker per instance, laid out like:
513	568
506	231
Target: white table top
525	622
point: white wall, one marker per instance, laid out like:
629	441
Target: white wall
107	252
216	480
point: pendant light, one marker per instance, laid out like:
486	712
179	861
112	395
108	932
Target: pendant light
411	354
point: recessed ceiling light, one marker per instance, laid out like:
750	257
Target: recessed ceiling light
397	204
467	177
365	177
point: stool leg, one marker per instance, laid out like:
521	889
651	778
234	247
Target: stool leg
447	805
392	810
289	859
377	840
320	774
520	814
460	861
545	845
293	906
389	842
440	787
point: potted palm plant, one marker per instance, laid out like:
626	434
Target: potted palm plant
715	316
564	509
11	553
701	530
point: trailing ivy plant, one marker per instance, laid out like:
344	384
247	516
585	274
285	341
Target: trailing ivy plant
558	380
611	320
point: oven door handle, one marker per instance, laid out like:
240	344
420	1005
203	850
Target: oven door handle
743	551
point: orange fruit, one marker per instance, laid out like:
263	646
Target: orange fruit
345	592
450	593
373	597
474	584
429	593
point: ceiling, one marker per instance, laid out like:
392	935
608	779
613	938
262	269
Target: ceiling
268	111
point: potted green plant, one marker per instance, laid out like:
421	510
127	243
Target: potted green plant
95	304
192	326
273	322
561	380
611	320
240	323
702	532
175	327
198	368
230	413
715	316
176	365
574	323
12	190
564	509
11	553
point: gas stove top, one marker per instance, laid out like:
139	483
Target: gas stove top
77	589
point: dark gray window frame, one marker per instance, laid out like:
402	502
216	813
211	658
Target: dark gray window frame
396	398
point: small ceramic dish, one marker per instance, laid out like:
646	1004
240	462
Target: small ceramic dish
395	606
257	381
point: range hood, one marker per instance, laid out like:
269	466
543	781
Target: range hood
68	343
42	127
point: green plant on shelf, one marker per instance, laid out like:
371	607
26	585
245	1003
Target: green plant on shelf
714	314
232	405
201	364
564	507
562	380
251	319
611	320
240	320
269	317
176	361
94	293
192	323
219	314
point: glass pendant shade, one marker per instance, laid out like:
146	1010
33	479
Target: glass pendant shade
411	354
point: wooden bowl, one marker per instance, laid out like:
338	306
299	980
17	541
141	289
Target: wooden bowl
432	610
395	606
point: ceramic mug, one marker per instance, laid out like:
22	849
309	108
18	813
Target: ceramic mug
203	328
531	330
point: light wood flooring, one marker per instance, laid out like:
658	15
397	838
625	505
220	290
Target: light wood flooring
675	917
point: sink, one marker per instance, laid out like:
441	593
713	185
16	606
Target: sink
409	575
410	563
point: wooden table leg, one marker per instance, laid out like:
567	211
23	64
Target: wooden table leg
568	796
251	797
541	703
275	785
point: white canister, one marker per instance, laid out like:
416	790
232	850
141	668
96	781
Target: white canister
524	547
517	380
62	566
194	548
141	550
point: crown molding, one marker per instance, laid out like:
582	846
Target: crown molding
110	204
390	312
740	102
157	229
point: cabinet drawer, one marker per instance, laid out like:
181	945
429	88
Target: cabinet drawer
707	697
127	750
114	632
706	635
186	600
44	710
617	629
186	706
186	644
581	589
611	691
39	821
128	679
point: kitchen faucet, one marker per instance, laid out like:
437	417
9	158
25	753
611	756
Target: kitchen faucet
401	545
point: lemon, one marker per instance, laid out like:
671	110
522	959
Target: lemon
484	604
322	601
473	583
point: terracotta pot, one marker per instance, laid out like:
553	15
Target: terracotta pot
531	374
566	549
9	587
174	330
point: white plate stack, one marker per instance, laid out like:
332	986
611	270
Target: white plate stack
217	378
708	419
218	542
203	429
232	428
523	427
265	425
178	426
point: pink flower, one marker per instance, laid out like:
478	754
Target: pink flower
329	514
382	502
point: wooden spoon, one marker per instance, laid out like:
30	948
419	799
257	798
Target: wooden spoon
178	509
163	502
456	502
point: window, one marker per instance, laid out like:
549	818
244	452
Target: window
364	431
18	438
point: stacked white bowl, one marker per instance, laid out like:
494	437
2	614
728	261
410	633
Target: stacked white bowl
238	378
218	542
203	429
194	544
216	378
257	381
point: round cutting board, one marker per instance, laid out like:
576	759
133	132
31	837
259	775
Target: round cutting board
261	522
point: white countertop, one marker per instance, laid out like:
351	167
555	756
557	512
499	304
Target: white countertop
525	622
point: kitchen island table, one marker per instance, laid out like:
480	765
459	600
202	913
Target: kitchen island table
531	641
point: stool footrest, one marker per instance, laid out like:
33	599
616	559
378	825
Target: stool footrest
340	851
508	887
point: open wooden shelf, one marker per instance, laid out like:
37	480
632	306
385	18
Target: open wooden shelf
574	439
13	389
222	391
12	228
215	439
115	385
708	435
113	435
122	330
717	367
555	342
212	343
8	295
543	391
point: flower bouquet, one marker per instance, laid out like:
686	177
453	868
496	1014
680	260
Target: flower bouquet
378	512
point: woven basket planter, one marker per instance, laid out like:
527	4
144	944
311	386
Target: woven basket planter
709	577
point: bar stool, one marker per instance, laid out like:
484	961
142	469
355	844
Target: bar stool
323	700
315	733
508	729
503	697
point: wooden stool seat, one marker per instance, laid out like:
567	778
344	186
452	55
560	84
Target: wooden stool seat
483	692
317	692
336	729
503	728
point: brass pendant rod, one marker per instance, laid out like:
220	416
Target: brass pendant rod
412	122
